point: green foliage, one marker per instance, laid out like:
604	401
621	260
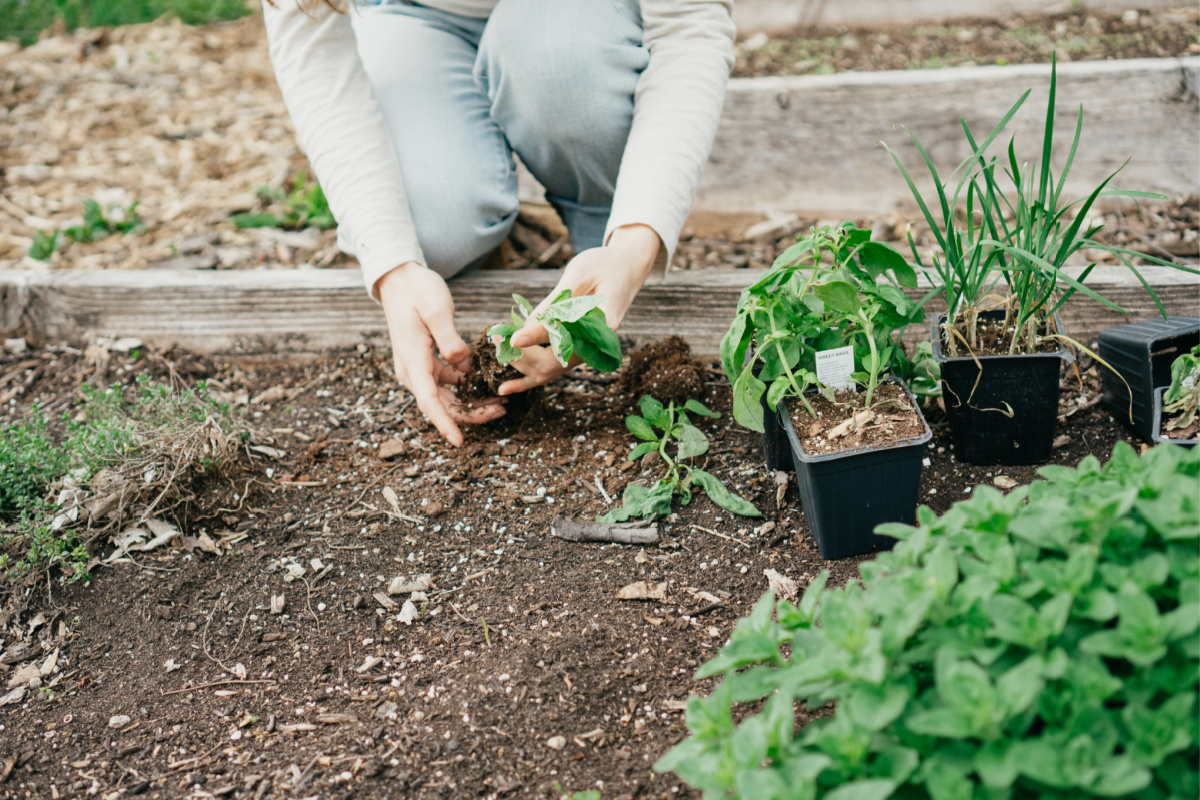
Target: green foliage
1039	644
1183	395
95	225
23	20
658	427
106	429
304	206
576	327
834	287
1025	237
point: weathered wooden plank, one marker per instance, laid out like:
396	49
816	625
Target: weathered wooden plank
302	313
771	15
808	143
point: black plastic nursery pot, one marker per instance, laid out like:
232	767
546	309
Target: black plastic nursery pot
1156	419
1002	409
1142	352
845	495
775	441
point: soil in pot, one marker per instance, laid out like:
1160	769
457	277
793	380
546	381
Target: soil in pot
852	487
666	371
991	338
1002	408
891	418
486	375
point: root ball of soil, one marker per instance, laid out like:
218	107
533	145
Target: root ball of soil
486	375
666	371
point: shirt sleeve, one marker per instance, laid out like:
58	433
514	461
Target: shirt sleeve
340	128
677	106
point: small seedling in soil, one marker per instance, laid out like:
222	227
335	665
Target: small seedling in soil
576	326
1183	396
304	207
656	428
95	225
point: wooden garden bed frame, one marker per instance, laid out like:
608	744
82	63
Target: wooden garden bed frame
303	313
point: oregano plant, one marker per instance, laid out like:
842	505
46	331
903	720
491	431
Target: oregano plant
1043	643
576	326
658	427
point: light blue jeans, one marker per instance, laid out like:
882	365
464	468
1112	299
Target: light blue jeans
552	80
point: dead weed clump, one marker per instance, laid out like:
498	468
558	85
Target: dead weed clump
114	467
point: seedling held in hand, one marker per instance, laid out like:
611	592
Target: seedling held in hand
656	428
576	326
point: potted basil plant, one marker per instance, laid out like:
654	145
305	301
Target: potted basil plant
1001	347
810	345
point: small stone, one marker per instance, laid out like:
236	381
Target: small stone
1062	440
15	346
556	742
392	448
118	721
1004	482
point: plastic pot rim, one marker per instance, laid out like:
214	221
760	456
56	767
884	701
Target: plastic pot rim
935	341
786	418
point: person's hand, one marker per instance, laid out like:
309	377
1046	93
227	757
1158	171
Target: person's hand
616	271
420	313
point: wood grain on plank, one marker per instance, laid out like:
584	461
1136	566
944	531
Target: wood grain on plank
808	143
303	313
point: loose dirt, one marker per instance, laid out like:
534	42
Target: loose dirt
847	425
991	338
664	370
1082	35
519	638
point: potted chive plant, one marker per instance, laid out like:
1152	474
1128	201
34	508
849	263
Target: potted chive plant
1001	270
810	344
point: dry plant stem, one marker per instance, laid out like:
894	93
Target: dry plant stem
211	685
718	533
204	638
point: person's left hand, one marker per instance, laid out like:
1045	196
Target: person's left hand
617	271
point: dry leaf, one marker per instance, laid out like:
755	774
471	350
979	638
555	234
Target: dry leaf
781	585
278	601
643	591
392	448
419	583
408	614
1004	482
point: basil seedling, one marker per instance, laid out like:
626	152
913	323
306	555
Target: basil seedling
576	326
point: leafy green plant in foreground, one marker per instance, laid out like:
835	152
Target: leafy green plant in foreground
1183	395
576	326
1039	644
25	19
303	207
657	427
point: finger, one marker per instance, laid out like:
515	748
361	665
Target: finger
448	376
477	413
531	334
430	402
449	343
524	384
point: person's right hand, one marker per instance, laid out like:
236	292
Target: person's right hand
420	313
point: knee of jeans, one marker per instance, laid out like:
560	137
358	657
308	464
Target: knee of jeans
571	83
454	240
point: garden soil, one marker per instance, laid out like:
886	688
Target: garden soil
664	370
519	672
893	419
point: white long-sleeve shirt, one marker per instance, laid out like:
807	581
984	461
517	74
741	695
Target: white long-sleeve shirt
677	105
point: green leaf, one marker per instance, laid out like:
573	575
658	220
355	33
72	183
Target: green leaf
642	449
734	344
595	343
640	428
638	502
692	442
523	304
880	257
505	352
257	220
654	412
560	341
572	309
876	707
719	494
696	407
868	789
838	295
780	387
747	394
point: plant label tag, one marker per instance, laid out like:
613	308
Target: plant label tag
834	367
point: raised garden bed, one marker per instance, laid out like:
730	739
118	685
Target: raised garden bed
474	710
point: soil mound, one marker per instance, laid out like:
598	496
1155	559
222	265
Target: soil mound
665	370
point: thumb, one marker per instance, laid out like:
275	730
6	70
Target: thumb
449	344
532	333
